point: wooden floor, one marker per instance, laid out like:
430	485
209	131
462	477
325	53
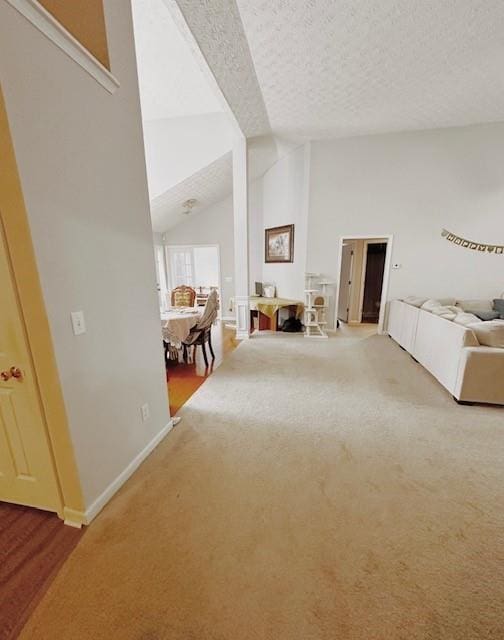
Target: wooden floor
33	546
185	379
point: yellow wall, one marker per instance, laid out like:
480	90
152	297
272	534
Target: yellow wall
85	20
17	232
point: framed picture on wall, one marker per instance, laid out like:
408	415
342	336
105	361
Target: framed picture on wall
279	244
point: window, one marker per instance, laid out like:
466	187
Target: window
196	266
182	267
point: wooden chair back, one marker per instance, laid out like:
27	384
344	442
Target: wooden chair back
183	296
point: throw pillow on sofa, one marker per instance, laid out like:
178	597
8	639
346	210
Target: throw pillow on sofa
498	305
431	304
446	312
487	315
489	334
447	302
471	306
465	319
415	301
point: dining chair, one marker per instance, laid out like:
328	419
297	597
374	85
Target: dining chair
201	334
183	296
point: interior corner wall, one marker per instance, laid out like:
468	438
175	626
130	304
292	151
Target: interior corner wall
285	201
82	168
213	225
256	233
412	185
176	148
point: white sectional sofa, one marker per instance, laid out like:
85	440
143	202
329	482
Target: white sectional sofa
471	372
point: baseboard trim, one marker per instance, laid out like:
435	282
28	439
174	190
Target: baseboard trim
116	484
73	518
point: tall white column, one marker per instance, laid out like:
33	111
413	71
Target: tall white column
240	209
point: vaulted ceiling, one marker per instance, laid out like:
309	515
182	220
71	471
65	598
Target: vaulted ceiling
171	81
207	186
293	70
218	31
337	68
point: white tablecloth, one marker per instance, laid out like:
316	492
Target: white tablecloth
176	325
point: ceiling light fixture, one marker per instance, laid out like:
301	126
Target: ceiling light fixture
189	205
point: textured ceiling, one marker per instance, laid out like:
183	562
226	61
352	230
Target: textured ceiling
209	185
316	69
217	29
170	79
330	68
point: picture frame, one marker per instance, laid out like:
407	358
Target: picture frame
279	244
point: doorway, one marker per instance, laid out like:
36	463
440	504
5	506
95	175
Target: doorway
27	469
363	280
195	266
372	271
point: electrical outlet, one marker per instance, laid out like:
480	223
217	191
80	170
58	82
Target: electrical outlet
78	322
145	411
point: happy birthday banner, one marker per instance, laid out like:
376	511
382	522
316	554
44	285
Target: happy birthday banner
475	246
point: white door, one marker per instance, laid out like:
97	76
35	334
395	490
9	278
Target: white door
181	267
345	282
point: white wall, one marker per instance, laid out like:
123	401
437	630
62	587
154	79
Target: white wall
206	266
81	162
211	226
176	148
157	238
412	185
256	233
284	201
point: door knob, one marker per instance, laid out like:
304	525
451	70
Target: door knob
13	372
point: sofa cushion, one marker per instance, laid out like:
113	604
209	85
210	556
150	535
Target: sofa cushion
431	304
471	306
490	334
465	319
498	305
415	301
446	311
447	302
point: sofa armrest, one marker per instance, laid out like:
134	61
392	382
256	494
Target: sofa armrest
480	375
438	346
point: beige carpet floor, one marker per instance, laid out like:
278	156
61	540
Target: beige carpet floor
313	491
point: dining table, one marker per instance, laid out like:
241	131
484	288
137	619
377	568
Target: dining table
176	325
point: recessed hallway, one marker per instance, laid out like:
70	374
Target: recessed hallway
312	491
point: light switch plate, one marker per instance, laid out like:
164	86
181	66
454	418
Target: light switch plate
78	323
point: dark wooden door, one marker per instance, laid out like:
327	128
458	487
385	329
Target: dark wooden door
373	281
